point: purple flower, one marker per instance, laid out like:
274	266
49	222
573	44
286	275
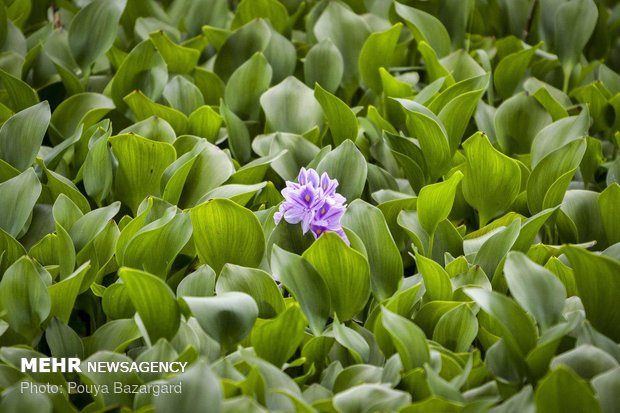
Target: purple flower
313	202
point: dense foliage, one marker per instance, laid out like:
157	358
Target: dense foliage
143	149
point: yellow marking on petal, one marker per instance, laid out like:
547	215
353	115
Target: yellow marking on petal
318	231
307	198
322	210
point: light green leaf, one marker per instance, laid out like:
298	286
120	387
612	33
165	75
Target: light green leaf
246	85
256	283
305	284
408	339
324	65
492	180
225	232
435	202
276	340
457	329
386	266
340	118
562	391
228	317
425	27
376	53
17	199
154	302
345	272
142	163
21	136
346	164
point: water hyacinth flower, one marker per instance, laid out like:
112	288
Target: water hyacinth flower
313	202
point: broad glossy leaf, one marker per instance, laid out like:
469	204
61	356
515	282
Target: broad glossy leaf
436	280
290	106
345	272
346	164
340	118
256	283
386	267
93	30
142	163
518	329
143	69
457	329
225	232
324	65
562	390
63	294
271	10
228	317
179	59
492	180
408	339
17	198
154	302
201	390
517	121
608	200
21	136
435	202
425	27
246	85
597	278
376	53
305	284
535	288
552	175
348	31
24	298
276	340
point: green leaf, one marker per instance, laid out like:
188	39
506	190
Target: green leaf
256	283
425	27
597	278
346	164
561	391
240	46
115	335
535	288
432	135
608	200
606	387
154	248
511	69
143	69
246	85
552	175
277	340
348	31
345	272
376	53
24	298
227	318
201	390
205	122
290	106
408	339
93	30
200	283
340	118
352	341
518	330
179	59
154	302
63	294
272	10
558	134
386	266
457	329
20	95
574	23
436	279
324	65
225	232
304	283
143	108
183	96
238	135
142	163
21	136
81	109
492	180
17	199
435	202
517	121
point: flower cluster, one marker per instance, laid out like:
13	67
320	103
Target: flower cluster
313	202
